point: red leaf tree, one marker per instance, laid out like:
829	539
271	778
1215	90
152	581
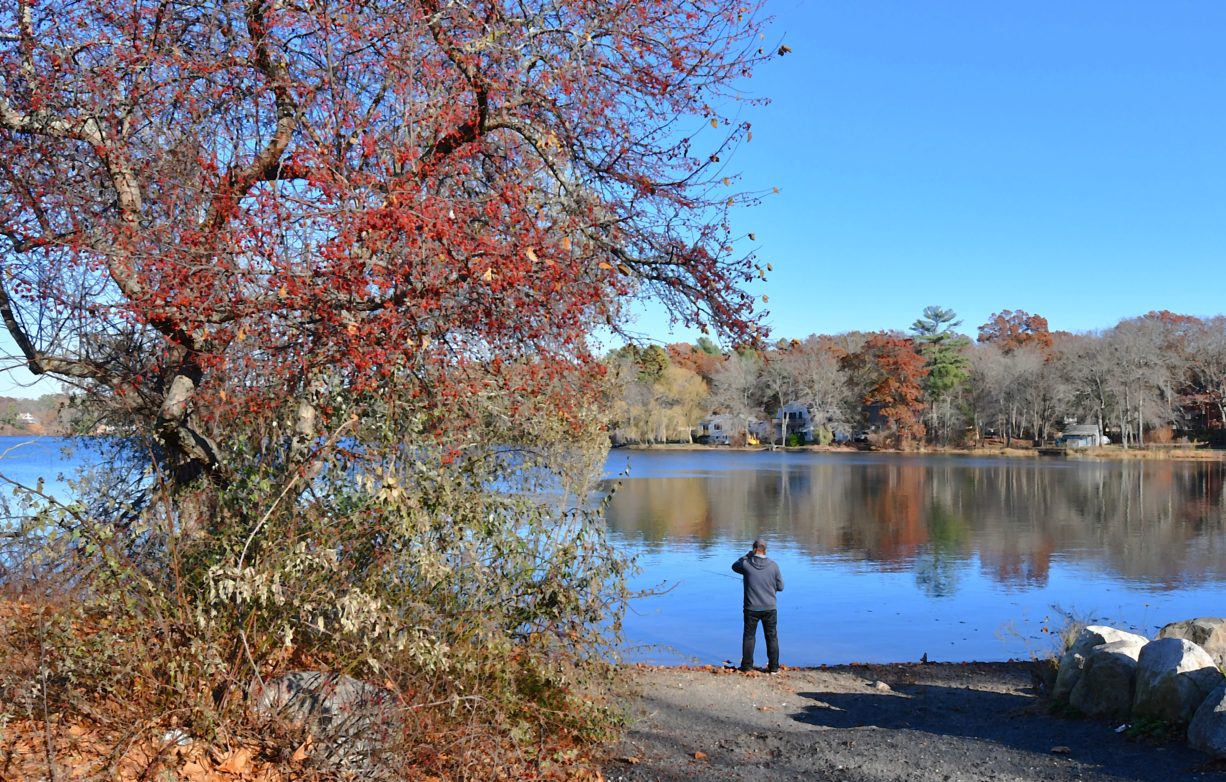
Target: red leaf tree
895	372
206	208
1012	329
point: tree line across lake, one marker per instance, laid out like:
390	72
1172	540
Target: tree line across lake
1151	379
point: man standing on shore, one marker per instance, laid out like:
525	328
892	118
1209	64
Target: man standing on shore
762	580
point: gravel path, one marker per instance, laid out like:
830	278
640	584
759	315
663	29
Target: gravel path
875	723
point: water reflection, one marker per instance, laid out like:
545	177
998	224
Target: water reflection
959	527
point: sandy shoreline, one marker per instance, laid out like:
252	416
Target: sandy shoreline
951	722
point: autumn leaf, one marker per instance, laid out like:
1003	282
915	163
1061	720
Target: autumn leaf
237	762
530	254
301	753
489	275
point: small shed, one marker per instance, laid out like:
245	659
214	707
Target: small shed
1081	436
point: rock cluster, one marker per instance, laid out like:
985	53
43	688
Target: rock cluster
1175	678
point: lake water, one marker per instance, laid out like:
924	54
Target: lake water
886	557
890	557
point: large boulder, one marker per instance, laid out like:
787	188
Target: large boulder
1209	633
1174	676
1107	682
1074	658
1208	729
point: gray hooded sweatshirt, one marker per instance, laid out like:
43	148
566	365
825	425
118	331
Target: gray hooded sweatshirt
762	580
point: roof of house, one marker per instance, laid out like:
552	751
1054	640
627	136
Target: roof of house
1082	430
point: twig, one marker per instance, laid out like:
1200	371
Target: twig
49	744
242	557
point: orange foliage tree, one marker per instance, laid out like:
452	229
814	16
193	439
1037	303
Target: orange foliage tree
895	389
1012	329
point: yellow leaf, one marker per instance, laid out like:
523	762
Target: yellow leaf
566	243
749	135
624	269
604	265
489	275
727	181
530	254
715	122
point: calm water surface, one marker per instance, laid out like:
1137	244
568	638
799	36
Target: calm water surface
886	557
889	557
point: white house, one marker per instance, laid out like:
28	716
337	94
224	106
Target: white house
792	418
726	429
1082	436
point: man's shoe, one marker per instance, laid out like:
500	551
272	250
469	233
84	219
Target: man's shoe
773	671
744	670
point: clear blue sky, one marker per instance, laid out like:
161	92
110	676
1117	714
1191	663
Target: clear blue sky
1064	158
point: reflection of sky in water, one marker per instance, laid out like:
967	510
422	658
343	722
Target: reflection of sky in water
887	558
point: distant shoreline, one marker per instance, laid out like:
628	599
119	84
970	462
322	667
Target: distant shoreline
1110	452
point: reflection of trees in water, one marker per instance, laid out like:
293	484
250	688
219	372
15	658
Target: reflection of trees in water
1162	523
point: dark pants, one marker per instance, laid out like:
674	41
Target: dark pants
770	628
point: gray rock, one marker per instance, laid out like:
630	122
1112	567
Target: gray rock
351	720
1208	729
1108	680
1209	633
1174	676
1074	658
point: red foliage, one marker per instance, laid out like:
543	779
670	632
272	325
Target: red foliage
898	390
1012	329
232	197
687	356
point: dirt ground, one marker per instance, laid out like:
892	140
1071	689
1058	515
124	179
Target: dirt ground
876	723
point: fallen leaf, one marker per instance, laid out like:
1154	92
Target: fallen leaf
700	756
632	760
237	762
300	754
